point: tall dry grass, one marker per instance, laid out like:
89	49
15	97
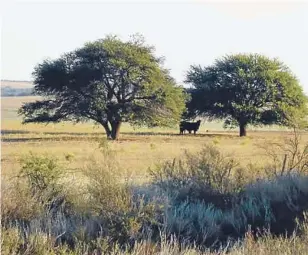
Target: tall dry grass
203	203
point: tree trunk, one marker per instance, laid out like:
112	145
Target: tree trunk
115	130
242	129
107	129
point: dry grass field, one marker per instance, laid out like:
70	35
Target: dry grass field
138	149
76	146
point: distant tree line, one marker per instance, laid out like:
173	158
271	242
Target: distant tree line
8	91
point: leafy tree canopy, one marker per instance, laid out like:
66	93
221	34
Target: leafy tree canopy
108	81
246	89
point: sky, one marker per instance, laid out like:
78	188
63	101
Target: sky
184	32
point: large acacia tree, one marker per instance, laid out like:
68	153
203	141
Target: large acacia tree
246	89
108	81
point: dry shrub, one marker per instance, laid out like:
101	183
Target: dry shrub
17	202
208	204
287	156
37	243
121	215
197	175
273	205
269	244
106	184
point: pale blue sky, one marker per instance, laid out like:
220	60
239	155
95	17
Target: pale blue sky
191	32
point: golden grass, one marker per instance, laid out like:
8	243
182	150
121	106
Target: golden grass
137	149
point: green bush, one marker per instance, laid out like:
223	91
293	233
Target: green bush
38	183
43	175
41	172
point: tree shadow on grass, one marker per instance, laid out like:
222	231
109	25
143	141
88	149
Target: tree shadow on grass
82	136
12	132
44	139
212	134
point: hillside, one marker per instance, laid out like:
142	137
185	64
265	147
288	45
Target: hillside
16	84
16	88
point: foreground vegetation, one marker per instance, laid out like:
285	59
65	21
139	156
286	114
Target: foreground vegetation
207	202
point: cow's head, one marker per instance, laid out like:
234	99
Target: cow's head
198	123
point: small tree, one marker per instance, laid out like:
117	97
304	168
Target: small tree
246	89
108	81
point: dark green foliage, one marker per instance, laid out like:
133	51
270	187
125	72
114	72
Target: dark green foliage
108	81
246	90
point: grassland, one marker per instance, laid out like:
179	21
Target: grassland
136	151
138	148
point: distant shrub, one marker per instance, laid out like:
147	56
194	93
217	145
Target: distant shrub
216	140
69	156
152	146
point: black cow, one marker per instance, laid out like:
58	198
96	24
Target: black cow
189	126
